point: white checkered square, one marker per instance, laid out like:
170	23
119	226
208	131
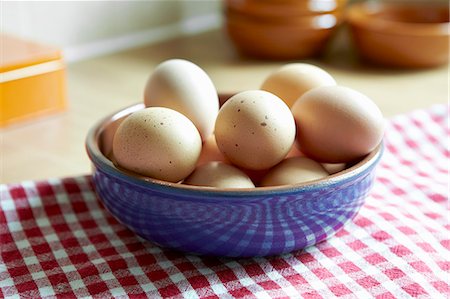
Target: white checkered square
23	244
7	204
118	292
31	260
60	254
38	275
15	226
68	268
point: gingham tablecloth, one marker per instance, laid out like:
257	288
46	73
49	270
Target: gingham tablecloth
58	241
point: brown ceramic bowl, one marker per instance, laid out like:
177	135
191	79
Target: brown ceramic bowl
284	9
294	39
401	35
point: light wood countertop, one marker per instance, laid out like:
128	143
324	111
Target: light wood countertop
54	146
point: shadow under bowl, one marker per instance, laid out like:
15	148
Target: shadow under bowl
410	35
226	222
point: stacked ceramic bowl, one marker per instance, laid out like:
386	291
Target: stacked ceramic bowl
282	29
406	34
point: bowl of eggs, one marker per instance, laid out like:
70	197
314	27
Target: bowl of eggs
255	173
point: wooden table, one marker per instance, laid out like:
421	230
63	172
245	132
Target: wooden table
54	146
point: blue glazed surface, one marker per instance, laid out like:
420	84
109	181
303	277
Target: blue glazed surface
235	223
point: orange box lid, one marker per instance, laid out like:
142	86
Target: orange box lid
17	53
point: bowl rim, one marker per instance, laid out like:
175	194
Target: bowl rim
106	165
276	9
306	23
363	14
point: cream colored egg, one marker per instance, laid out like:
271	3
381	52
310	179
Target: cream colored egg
157	142
337	124
291	81
255	129
333	168
183	86
294	170
219	175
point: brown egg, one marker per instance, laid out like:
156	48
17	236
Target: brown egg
157	142
294	171
219	175
336	124
210	151
292	80
255	129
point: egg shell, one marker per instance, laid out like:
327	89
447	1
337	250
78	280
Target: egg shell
257	175
337	124
219	175
183	86
294	152
292	80
333	168
157	142
294	170
255	129
210	152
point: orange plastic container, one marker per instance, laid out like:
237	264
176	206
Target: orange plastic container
32	80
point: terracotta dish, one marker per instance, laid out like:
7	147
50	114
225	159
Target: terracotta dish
292	39
282	29
401	35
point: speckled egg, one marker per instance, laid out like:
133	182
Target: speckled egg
157	142
255	129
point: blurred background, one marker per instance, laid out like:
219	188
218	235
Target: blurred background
84	29
65	65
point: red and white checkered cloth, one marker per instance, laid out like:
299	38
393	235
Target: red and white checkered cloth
58	241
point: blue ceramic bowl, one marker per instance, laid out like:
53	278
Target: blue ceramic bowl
226	222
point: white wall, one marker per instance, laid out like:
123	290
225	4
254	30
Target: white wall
85	29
